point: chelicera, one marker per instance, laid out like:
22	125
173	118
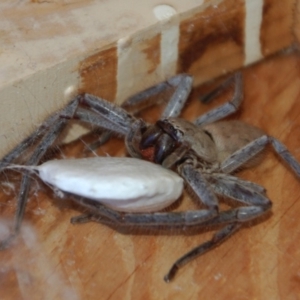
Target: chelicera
205	153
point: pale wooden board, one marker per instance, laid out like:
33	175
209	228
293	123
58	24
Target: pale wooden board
51	50
56	260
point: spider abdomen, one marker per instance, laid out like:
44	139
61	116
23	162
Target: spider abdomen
230	136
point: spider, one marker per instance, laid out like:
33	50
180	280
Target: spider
205	153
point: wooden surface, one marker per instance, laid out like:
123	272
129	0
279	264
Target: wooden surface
53	259
50	50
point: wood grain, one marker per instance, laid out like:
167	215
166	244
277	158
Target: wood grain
53	259
113	49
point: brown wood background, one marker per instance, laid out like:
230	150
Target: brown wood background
53	259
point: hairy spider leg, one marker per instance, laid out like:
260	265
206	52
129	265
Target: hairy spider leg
226	109
235	188
182	85
253	195
103	129
27	142
239	190
144	99
233	218
48	132
219	237
237	159
206	98
50	129
226	178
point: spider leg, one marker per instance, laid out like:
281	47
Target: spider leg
182	84
104	128
120	122
54	125
155	219
232	219
237	159
116	119
213	177
119	119
227	108
98	113
206	98
134	137
235	188
218	238
146	98
84	218
200	187
238	189
103	137
137	103
100	122
27	142
242	191
167	220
